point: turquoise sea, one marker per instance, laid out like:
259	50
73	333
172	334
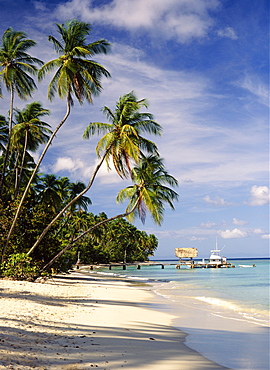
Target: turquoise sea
225	312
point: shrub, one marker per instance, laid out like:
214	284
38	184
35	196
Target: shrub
19	266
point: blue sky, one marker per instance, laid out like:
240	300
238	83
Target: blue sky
203	66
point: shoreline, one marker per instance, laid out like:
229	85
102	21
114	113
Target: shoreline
232	335
77	321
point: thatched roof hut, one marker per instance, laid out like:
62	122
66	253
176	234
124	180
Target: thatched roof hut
186	252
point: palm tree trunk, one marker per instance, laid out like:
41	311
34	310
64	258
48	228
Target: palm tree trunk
70	245
9	137
14	174
34	173
69	204
17	190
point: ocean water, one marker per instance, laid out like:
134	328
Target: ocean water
225	312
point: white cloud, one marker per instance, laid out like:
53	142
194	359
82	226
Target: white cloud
227	32
258	231
217	201
257	87
239	222
208	224
182	20
232	234
67	164
259	196
266	236
39	5
196	238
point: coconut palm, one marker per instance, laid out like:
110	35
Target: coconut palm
77	75
16	66
122	143
123	140
149	192
83	202
29	132
49	192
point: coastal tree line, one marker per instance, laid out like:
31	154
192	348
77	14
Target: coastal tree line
45	219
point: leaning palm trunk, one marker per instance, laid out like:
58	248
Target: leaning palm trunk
34	173
70	245
2	180
69	204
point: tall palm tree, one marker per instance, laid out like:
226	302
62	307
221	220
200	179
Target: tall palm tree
123	142
29	132
149	192
77	75
15	66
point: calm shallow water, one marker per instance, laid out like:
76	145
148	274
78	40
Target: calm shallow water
243	286
224	311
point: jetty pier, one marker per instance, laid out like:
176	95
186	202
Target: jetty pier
187	264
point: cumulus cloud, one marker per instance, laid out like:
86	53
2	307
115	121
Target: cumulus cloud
217	201
259	196
227	32
67	164
182	20
232	234
239	222
266	236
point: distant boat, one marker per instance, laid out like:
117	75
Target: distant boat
215	259
215	256
253	265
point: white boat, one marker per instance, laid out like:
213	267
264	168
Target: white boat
253	265
216	258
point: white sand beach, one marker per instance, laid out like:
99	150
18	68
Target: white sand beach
79	322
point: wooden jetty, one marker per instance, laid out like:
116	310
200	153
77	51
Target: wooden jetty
215	260
185	256
188	264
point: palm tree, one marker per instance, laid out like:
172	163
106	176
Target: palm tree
122	142
15	67
149	192
29	132
69	190
76	75
49	192
83	202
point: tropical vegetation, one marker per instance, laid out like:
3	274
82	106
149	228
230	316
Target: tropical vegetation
46	223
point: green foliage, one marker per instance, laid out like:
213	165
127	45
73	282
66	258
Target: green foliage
19	266
116	241
48	214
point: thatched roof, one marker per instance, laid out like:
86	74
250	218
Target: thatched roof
186	252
